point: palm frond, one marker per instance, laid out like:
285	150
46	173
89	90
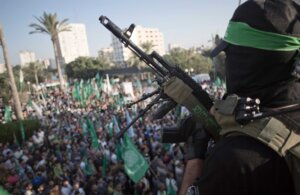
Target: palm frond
38	29
48	23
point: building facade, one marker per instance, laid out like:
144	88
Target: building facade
106	54
2	68
73	43
139	36
26	57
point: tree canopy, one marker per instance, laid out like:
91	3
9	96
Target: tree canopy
189	59
84	67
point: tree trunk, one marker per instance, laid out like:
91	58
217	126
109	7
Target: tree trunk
57	54
15	94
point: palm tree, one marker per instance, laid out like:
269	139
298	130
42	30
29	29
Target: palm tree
36	68
49	24
134	60
13	87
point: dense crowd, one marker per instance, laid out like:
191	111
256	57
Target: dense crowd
60	158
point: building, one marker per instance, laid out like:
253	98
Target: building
139	36
26	57
106	54
52	64
73	43
44	62
2	68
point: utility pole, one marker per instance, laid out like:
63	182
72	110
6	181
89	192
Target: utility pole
17	104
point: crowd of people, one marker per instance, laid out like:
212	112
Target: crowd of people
60	158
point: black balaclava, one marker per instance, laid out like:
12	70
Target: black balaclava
264	74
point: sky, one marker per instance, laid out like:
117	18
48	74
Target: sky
185	22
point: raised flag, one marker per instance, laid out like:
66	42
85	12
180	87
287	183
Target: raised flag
104	165
22	131
92	131
134	163
7	114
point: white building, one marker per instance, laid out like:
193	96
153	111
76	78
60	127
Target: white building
26	57
139	36
106	53
2	68
44	62
73	43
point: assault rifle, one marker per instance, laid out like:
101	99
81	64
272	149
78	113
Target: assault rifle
166	72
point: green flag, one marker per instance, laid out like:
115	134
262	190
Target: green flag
7	114
134	163
3	192
218	82
88	170
22	131
170	190
30	103
119	151
76	91
90	127
104	165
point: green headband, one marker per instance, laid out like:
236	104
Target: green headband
242	34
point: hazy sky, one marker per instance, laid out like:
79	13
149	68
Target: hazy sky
185	22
